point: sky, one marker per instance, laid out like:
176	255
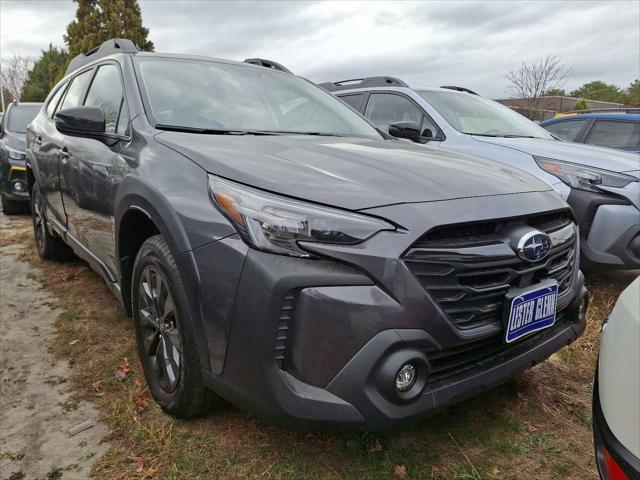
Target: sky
470	44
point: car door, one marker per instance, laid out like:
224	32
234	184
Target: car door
45	146
384	109
615	134
86	169
568	130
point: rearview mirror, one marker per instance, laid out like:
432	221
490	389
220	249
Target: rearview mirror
80	121
409	130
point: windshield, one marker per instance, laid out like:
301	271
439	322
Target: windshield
20	117
214	96
474	115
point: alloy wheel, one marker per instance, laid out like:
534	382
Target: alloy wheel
39	225
159	326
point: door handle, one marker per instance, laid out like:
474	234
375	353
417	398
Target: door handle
64	155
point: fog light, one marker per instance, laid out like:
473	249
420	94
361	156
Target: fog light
19	186
406	377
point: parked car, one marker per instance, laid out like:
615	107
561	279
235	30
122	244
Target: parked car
600	184
13	182
275	250
616	391
615	129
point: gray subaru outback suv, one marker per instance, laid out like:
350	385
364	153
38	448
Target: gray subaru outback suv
277	250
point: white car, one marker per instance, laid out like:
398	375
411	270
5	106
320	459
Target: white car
616	391
601	184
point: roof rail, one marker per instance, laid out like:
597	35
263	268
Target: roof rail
263	62
115	45
362	83
459	89
608	110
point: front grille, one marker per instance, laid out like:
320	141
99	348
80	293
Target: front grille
286	315
468	269
462	361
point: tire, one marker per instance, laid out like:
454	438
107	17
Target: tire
49	246
14	207
165	335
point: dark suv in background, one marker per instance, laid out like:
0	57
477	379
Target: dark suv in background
13	182
276	249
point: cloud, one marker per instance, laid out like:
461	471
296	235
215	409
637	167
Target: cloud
425	43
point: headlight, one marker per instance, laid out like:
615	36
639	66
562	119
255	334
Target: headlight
583	177
276	224
15	154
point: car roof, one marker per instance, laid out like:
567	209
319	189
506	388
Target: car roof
633	117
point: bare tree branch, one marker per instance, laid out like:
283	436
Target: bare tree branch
532	79
15	71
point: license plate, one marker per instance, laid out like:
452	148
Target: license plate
530	309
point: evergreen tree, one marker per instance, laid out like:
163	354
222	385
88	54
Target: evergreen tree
99	20
44	74
598	90
632	97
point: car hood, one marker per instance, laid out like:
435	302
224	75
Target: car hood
600	157
351	173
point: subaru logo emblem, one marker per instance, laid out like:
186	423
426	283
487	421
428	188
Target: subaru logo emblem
533	246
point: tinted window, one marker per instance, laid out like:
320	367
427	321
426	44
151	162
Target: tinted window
20	117
385	108
51	106
212	95
76	90
106	92
354	100
567	130
615	134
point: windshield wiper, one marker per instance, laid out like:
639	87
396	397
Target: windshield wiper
319	134
518	136
209	131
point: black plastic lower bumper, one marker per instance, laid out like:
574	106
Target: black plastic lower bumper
610	453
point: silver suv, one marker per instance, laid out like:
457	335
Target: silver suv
600	184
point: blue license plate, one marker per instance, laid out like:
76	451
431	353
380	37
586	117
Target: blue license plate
531	309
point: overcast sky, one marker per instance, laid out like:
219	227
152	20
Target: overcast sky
470	44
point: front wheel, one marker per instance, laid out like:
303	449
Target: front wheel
165	335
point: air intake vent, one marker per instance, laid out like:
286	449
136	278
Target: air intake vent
286	316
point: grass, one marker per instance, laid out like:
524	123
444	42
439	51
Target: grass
536	424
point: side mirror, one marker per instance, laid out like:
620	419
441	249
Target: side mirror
80	121
409	130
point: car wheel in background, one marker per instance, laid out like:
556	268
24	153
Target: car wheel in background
49	247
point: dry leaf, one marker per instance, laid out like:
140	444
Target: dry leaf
124	366
400	471
137	381
73	342
96	386
376	447
140	465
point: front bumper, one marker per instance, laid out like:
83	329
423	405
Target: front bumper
13	182
318	342
609	228
612	457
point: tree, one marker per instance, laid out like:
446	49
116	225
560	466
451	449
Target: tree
533	78
14	71
99	20
46	72
555	92
581	105
598	90
632	95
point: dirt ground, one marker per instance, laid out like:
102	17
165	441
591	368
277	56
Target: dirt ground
37	402
536	426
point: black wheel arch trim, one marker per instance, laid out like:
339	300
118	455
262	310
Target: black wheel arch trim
135	194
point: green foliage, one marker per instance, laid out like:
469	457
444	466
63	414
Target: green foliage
632	95
555	92
598	90
99	20
46	72
581	105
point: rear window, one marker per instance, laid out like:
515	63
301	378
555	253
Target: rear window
20	117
